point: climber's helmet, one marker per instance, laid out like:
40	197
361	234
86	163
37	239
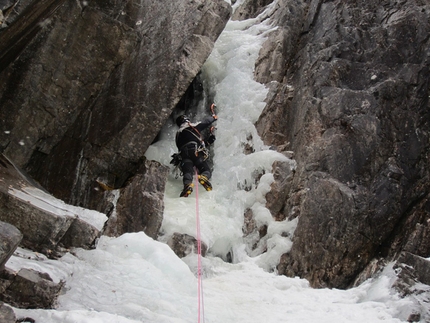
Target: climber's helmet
181	119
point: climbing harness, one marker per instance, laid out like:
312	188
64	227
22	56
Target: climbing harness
202	148
204	151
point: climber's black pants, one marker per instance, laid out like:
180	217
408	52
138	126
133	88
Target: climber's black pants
189	160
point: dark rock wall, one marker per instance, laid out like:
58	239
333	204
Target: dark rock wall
140	204
94	84
250	9
351	101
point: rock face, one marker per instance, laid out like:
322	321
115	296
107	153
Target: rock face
349	96
140	205
92	83
413	279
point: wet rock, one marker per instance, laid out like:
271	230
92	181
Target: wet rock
29	289
275	199
10	237
140	204
184	244
250	9
414	281
6	314
254	234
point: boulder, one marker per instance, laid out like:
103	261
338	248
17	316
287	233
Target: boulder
45	222
6	314
184	244
140	204
42	231
29	289
10	237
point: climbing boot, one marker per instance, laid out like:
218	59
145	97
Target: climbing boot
188	189
205	182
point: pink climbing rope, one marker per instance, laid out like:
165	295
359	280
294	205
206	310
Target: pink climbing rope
201	310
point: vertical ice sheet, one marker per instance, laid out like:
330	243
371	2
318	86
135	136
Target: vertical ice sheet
229	78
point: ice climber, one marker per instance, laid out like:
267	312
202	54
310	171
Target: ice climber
193	152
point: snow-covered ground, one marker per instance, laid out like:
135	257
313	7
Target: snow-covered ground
136	279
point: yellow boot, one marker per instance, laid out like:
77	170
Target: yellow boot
205	182
188	189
